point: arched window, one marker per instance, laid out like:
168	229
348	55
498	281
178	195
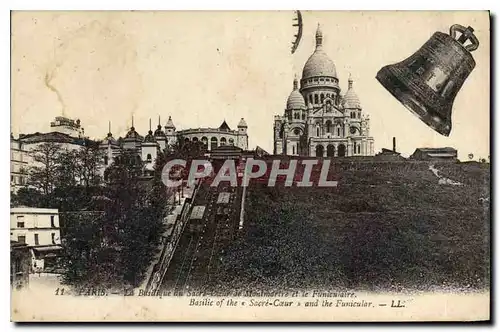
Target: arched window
316	101
327	95
231	141
148	158
359	148
330	150
354	148
338	131
319	151
293	149
204	140
317	131
297	116
213	143
195	139
223	141
341	151
328	126
303	116
186	140
105	160
322	98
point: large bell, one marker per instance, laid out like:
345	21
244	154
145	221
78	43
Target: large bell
427	82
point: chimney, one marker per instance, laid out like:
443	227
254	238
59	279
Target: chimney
394	144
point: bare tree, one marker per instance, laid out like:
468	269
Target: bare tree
43	173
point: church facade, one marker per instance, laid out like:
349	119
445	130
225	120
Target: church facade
318	120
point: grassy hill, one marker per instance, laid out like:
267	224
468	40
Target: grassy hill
387	226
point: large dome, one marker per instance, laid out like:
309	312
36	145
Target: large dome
295	100
319	64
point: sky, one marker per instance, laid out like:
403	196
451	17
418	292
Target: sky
205	67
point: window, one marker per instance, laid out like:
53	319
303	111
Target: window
303	116
148	158
316	101
296	116
21	238
328	126
105	160
37	242
52	223
53	236
338	131
317	131
293	149
213	143
310	99
322	98
359	148
20	221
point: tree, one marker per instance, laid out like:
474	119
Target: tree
134	216
28	197
89	161
42	175
186	149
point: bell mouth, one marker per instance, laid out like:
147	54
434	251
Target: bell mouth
413	102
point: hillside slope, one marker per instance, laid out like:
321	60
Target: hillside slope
387	226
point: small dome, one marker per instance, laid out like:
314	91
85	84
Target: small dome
351	99
149	137
109	140
295	100
242	123
159	132
132	133
319	63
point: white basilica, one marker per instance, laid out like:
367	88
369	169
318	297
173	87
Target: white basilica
318	121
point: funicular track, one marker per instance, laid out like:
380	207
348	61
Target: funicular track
204	239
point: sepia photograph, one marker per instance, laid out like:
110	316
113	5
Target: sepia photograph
250	166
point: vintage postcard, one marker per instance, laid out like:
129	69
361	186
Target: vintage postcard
250	166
